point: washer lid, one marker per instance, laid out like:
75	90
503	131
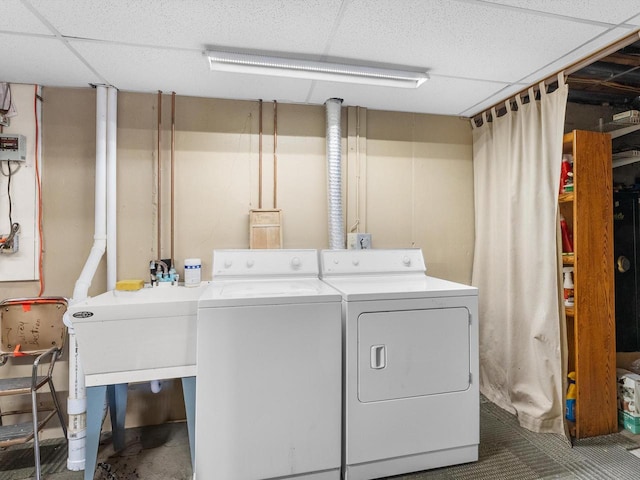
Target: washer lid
274	291
389	287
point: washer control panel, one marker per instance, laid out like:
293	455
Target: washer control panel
260	263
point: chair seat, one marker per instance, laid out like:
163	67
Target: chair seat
19	385
34	327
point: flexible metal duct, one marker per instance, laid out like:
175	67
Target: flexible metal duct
334	174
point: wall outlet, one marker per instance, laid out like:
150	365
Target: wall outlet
359	241
9	247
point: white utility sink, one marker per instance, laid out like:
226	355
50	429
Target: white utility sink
148	334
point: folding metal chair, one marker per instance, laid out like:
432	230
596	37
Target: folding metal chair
31	327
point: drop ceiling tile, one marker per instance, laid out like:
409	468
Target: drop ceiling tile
474	49
597	11
460	39
433	96
251	24
18	18
43	61
582	52
148	69
496	98
635	21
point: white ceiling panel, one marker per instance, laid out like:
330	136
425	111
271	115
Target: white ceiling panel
476	51
611	11
432	93
289	26
467	41
43	61
15	17
497	98
576	55
635	21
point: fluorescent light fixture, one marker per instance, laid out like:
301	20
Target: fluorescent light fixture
310	70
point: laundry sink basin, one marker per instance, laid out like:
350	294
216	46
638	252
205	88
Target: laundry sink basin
142	335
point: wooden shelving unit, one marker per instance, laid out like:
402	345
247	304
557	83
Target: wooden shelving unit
588	211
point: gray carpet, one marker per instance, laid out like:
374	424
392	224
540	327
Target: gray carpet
506	452
510	452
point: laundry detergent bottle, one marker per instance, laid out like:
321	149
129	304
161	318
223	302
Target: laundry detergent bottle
570	408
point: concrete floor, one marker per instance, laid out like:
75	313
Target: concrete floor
506	451
151	453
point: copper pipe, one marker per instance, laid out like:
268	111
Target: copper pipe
159	197
275	155
173	170
260	155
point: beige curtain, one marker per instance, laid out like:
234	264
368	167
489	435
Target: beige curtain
517	159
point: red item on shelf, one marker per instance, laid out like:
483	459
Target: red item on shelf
567	241
564	173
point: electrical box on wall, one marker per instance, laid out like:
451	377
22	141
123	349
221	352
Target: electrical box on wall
13	147
9	242
359	241
19	229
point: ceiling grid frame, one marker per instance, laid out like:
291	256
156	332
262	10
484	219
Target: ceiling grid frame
473	50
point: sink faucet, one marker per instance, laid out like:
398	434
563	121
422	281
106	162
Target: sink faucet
154	266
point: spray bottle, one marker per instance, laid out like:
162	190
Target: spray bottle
568	286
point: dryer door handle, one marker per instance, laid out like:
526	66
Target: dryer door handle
378	357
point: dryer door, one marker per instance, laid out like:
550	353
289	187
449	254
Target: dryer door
412	353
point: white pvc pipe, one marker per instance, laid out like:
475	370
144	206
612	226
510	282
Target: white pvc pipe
334	174
76	410
111	137
83	283
76	403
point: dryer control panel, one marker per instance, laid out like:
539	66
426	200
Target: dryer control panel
350	262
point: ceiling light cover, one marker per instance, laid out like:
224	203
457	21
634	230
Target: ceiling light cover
311	70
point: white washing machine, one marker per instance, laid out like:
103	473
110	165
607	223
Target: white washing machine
268	395
411	396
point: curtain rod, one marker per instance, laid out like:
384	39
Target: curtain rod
572	68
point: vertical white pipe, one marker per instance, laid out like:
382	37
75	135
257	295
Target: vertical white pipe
83	283
76	409
334	173
76	403
111	137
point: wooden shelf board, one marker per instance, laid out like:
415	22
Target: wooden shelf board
566	197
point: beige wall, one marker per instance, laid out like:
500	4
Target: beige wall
408	180
420	189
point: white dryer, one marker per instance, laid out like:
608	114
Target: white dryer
411	396
268	396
